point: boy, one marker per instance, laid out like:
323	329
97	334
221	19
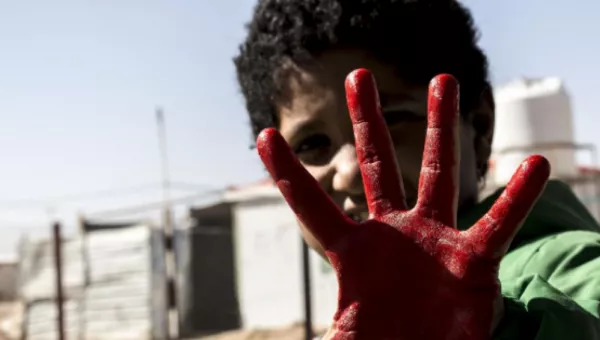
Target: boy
292	68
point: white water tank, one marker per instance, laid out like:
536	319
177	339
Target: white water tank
533	116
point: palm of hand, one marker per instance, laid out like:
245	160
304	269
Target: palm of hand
407	274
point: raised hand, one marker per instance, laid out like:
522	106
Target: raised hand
407	274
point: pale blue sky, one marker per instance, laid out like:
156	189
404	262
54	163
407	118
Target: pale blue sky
79	81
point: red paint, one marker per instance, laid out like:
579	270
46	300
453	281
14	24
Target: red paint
380	171
407	274
439	171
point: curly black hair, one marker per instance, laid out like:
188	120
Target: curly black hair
419	38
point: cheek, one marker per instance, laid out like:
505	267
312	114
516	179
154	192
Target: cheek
320	174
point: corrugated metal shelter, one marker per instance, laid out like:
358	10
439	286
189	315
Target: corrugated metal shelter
114	285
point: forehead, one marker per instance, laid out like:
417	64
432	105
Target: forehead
318	90
331	68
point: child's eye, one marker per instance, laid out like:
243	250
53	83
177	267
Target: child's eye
314	150
394	117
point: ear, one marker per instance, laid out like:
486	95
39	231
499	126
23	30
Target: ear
482	119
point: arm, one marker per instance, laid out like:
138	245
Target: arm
552	289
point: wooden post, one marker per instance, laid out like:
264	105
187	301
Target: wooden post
86	276
308	328
59	284
168	231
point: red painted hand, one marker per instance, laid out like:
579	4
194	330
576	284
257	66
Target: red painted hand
407	274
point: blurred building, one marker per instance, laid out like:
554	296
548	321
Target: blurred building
534	116
269	246
240	266
207	278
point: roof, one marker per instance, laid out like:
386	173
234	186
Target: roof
264	188
265	182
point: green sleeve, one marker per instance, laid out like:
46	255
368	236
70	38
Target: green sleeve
551	289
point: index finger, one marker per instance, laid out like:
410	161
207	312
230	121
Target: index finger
310	203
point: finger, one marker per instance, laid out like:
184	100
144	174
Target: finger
312	205
374	149
494	232
438	184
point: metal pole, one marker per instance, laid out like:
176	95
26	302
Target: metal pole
172	317
59	284
308	328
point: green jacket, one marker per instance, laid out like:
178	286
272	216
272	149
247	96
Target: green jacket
551	275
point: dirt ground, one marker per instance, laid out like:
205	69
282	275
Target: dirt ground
295	332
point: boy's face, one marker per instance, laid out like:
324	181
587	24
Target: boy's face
315	122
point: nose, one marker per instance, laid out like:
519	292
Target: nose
347	178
